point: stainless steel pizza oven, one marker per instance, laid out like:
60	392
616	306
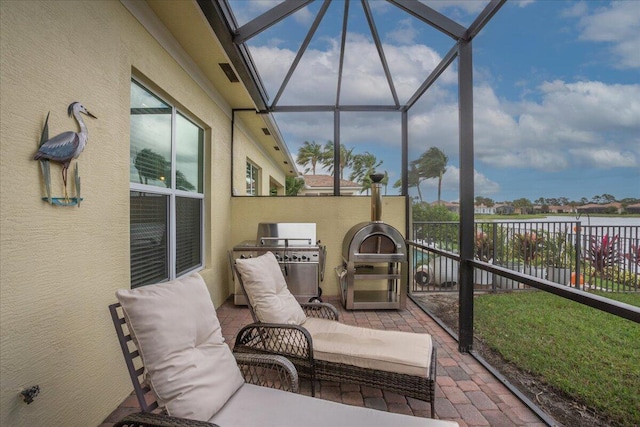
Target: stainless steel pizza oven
374	254
300	255
374	242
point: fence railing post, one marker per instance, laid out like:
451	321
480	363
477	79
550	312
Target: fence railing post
494	237
578	254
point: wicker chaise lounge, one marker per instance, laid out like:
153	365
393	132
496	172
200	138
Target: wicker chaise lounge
322	348
184	374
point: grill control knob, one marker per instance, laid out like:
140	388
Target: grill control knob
295	257
304	257
242	256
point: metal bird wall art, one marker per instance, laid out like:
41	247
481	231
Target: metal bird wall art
62	149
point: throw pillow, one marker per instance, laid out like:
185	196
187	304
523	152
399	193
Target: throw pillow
267	290
189	366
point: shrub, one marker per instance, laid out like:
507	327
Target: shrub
526	246
483	246
446	234
603	253
634	254
426	212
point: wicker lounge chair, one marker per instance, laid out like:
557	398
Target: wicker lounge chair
203	386
322	348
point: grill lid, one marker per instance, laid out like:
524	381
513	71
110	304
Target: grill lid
286	234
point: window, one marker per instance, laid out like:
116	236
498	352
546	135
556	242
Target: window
253	181
167	194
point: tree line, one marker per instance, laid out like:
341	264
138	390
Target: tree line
361	165
431	164
558	201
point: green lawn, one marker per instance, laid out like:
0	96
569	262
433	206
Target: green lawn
591	355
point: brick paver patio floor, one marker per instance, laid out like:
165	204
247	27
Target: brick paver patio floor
466	392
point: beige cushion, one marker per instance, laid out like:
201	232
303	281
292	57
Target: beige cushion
189	366
254	406
267	290
391	351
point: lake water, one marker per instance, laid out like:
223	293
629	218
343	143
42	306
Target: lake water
588	220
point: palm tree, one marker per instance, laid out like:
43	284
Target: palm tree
385	182
363	166
432	164
346	158
293	185
310	154
152	166
413	180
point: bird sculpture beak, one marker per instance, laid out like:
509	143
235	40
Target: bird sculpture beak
91	115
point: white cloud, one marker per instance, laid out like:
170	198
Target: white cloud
524	3
579	124
451	182
587	123
364	82
483	186
605	106
303	16
576	10
606	158
583	124
469	7
405	32
246	10
618	25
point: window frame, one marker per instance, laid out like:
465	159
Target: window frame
173	192
256	178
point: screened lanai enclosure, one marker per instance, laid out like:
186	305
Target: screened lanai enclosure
390	99
359	94
304	82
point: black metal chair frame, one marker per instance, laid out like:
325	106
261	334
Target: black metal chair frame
260	369
296	344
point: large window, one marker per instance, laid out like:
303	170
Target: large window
166	181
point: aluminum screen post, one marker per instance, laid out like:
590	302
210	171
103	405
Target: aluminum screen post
336	152
467	232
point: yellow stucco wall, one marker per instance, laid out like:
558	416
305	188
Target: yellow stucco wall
334	216
60	266
245	150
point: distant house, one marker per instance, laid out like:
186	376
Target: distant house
504	209
614	207
451	206
562	209
635	208
483	209
540	209
322	185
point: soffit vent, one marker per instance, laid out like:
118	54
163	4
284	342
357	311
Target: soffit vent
228	71
266	131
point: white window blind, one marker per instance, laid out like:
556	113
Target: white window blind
167	194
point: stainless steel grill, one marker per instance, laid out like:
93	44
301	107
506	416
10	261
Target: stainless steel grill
373	274
300	255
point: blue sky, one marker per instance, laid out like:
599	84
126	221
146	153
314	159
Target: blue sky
556	92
